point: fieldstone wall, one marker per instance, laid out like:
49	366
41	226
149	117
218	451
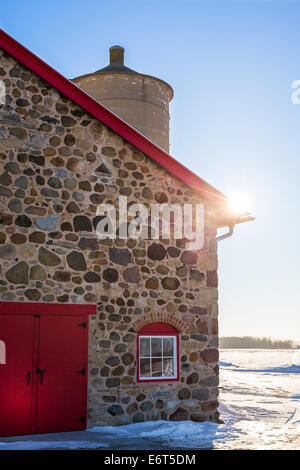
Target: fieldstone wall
57	165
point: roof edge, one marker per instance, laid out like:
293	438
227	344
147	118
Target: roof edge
96	109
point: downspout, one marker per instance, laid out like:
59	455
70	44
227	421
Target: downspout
226	235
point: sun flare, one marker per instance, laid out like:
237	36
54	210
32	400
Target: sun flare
240	202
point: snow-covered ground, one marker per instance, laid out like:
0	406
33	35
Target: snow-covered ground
259	396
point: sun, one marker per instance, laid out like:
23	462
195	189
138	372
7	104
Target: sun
240	202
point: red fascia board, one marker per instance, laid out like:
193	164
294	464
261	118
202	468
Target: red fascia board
40	308
96	109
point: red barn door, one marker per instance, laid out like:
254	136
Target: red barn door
43	361
61	382
16	373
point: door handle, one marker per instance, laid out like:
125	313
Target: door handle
28	378
41	372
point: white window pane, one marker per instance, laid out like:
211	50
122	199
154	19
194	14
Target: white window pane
145	368
156	347
157	357
157	367
168	368
145	347
168	346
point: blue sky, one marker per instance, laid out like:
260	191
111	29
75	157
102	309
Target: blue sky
231	64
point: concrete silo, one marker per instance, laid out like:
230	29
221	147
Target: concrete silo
139	99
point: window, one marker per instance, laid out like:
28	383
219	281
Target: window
158	353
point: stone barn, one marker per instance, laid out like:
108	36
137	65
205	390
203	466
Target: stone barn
99	331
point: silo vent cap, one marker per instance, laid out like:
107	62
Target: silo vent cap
116	55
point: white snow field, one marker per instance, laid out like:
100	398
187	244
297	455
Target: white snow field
259	396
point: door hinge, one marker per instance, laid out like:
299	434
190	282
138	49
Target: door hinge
82	419
83	325
82	371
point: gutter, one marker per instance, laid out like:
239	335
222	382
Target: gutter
247	218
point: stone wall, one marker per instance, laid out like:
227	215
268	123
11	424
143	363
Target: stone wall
57	165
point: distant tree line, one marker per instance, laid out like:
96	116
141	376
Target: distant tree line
250	342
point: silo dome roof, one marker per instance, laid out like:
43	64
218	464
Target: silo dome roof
116	62
116	65
116	68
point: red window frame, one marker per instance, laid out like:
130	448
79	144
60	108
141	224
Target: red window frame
158	329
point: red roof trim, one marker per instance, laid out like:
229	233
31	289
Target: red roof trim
76	94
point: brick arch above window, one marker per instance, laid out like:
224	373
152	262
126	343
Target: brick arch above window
168	318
